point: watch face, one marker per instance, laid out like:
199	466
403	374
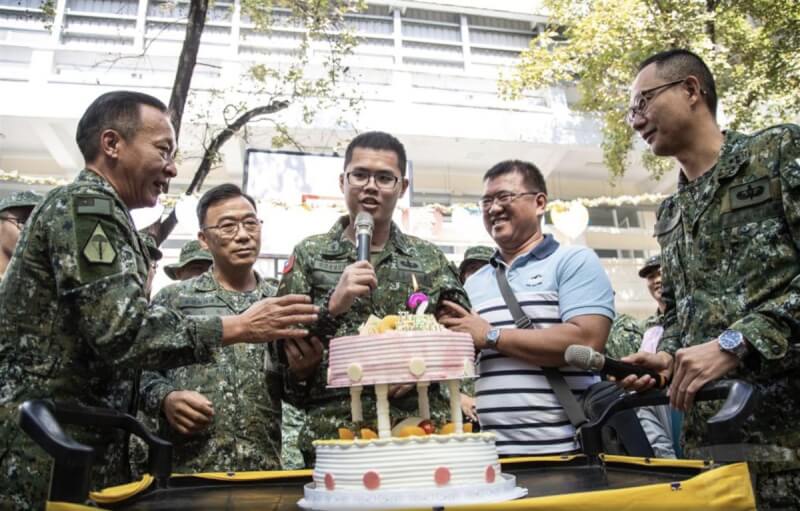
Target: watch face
730	339
492	335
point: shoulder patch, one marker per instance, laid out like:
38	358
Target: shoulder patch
288	265
92	205
98	248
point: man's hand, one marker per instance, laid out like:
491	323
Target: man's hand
468	407
187	411
358	279
304	356
660	362
694	367
459	319
270	319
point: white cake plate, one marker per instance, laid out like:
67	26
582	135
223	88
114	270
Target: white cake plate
323	500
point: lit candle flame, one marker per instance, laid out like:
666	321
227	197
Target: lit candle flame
414	282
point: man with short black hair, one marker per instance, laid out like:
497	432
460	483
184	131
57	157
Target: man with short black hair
324	266
563	291
75	322
220	416
731	268
14	212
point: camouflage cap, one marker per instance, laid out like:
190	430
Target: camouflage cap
476	253
191	251
651	264
24	199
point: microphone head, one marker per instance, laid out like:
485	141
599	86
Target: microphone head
364	223
584	357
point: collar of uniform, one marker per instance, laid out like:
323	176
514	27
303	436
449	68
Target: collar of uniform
206	283
732	155
337	247
542	251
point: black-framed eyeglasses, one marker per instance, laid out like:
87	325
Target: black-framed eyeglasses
502	199
642	102
383	180
227	229
19	223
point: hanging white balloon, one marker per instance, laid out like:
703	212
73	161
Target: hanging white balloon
186	213
145	217
571	220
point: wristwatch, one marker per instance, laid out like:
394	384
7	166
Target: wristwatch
492	336
733	342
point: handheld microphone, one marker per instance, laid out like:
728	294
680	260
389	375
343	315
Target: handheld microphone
363	225
584	357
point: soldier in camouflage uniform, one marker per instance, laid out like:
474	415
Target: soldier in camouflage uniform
193	261
74	318
347	291
220	416
731	270
14	212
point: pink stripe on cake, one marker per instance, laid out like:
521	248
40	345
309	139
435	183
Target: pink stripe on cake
400	357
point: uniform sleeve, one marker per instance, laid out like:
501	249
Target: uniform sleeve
294	281
670	340
769	326
624	338
155	385
99	279
446	284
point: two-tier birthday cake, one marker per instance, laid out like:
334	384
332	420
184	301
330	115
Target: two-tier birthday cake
411	465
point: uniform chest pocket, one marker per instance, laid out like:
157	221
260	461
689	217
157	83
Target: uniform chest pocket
747	232
325	274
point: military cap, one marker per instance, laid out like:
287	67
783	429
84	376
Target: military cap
651	264
476	253
191	251
20	200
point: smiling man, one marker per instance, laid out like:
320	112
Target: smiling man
324	266
564	291
75	323
220	416
730	267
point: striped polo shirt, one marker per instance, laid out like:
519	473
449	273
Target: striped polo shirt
553	284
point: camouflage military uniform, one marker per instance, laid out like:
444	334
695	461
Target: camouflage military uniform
730	261
245	431
314	269
74	323
625	336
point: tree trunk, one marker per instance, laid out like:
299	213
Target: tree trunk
183	75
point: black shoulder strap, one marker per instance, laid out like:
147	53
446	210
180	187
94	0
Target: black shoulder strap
554	377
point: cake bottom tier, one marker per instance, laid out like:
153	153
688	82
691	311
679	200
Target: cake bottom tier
401	472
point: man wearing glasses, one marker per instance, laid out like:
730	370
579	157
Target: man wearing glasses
730	238
14	212
563	291
219	416
324	266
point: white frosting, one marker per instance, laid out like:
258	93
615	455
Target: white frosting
407	463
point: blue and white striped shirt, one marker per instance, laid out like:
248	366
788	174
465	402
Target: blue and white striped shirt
552	284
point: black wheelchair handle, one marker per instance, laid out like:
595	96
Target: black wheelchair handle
741	400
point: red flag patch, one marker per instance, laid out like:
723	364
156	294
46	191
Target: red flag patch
288	265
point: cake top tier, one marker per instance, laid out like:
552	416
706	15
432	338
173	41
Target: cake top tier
400	357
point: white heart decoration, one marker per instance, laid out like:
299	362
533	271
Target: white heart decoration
571	221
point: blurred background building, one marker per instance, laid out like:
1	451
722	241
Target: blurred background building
427	71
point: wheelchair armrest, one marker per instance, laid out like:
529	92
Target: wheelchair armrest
159	450
72	461
741	399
